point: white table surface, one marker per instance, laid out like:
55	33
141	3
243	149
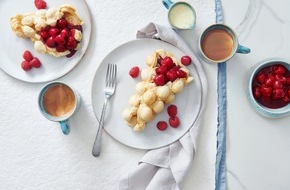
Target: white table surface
257	148
34	152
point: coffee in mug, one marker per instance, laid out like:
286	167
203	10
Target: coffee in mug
219	43
58	102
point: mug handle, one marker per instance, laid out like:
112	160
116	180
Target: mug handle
64	127
167	3
243	49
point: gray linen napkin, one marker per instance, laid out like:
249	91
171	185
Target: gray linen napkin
165	168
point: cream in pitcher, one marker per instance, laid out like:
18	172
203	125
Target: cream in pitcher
180	15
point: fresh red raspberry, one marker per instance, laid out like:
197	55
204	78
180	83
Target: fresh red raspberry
174	122
35	63
172	75
159	80
185	60
25	65
168	62
181	73
40	4
172	110
27	56
162	125
134	72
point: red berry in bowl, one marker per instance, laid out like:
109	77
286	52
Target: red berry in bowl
159	80
27	56
279	69
162	125
25	65
40	4
277	84
278	93
174	122
172	110
50	42
266	91
288	93
257	92
283	80
185	60
270	80
168	62
288	80
35	63
286	98
134	72
261	77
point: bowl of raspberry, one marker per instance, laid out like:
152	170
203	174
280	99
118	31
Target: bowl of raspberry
268	88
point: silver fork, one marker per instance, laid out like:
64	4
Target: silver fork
109	91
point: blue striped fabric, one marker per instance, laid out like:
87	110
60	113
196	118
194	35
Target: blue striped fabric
220	178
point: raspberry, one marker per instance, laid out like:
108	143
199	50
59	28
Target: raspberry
162	125
168	62
185	60
174	122
35	63
27	56
181	73
159	80
25	65
172	110
134	72
172	75
40	4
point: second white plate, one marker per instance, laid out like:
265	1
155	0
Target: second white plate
126	56
12	46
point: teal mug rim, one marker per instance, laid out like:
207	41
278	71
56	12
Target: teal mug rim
236	49
42	109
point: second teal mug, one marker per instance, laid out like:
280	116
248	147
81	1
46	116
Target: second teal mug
219	43
58	102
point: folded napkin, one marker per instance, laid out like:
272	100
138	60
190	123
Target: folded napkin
165	168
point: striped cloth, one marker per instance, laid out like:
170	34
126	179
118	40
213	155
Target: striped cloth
222	111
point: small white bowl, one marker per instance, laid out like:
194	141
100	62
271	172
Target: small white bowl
259	108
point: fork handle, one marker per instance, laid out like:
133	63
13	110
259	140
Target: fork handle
97	144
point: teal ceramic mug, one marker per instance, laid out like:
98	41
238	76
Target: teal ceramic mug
181	15
58	102
219	43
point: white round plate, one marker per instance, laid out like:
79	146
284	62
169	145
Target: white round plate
12	47
126	56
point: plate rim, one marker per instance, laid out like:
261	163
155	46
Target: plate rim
138	147
69	70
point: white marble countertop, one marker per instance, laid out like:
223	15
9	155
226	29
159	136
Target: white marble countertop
257	148
34	152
